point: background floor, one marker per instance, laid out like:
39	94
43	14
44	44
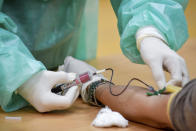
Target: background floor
80	116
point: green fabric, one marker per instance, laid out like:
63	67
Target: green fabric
33	32
87	46
17	65
53	29
166	15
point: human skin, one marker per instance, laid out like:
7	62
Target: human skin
136	106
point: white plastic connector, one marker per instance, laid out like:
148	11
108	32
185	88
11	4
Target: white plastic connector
100	71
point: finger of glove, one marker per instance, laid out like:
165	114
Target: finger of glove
57	102
176	74
61	77
77	66
158	74
185	75
73	93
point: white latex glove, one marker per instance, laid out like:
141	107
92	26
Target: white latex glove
158	56
37	91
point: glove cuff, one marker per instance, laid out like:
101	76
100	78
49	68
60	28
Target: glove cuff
148	31
83	91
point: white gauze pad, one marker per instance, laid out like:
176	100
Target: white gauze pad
108	118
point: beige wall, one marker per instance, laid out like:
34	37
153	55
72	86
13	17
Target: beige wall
108	38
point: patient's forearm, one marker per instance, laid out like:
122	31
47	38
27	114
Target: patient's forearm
134	105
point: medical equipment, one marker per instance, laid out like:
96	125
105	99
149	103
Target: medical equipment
167	89
87	76
80	79
172	89
13	118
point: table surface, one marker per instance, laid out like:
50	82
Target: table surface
78	117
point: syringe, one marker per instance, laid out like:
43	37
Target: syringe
80	79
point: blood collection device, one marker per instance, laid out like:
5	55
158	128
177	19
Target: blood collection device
80	79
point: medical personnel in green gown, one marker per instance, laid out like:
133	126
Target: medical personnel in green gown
36	36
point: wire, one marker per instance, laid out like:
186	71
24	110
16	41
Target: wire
125	88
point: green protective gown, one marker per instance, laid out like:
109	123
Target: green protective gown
39	34
166	15
49	30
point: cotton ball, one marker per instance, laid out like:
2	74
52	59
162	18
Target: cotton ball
108	118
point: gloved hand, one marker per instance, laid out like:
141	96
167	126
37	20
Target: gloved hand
37	91
76	66
158	56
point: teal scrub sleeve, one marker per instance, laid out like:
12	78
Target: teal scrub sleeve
165	15
16	65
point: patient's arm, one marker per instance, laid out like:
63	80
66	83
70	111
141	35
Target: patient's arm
134	105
